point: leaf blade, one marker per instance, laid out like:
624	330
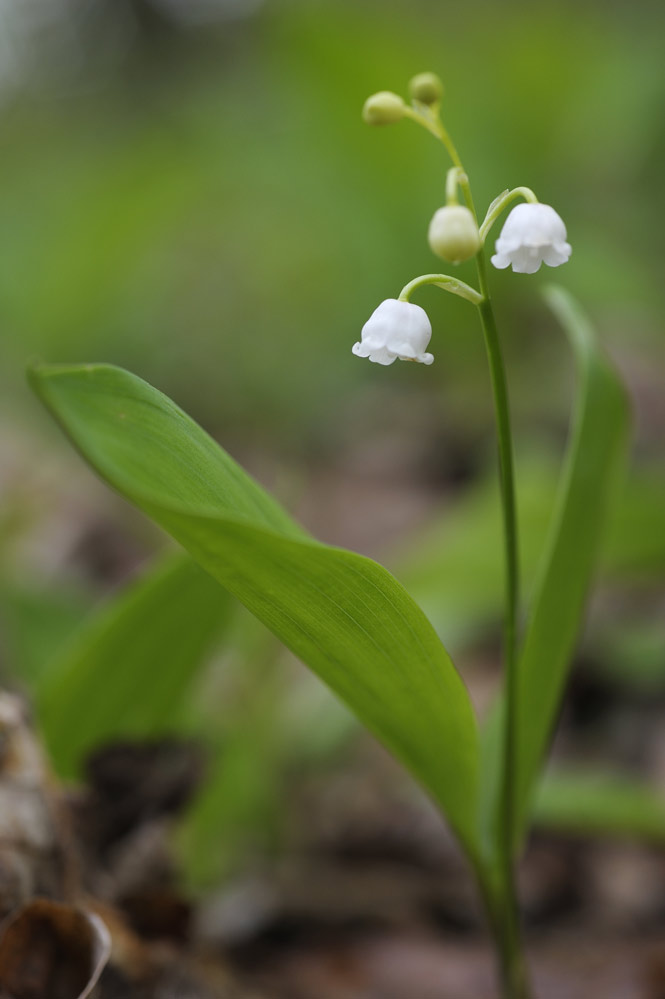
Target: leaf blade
342	614
597	441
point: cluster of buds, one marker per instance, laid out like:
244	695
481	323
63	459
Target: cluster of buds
385	108
532	234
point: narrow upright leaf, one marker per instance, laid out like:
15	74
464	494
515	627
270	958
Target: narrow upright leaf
342	614
597	439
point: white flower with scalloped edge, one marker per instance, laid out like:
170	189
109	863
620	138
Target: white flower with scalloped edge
532	234
395	330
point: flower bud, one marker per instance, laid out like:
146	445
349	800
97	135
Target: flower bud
453	234
383	108
426	88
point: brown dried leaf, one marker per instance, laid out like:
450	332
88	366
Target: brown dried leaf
51	951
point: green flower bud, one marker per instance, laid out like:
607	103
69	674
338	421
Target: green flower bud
426	88
453	234
383	108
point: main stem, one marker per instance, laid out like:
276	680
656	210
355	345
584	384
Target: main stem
505	922
512	964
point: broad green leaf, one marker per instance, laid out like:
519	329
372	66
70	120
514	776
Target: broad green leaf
342	614
597	444
600	803
127	671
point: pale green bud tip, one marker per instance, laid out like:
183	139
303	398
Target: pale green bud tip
383	108
426	88
453	234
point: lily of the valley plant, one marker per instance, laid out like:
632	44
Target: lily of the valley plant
533	233
344	615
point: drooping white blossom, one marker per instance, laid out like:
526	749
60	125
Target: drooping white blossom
395	330
532	234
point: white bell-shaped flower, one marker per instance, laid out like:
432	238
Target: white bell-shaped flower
531	234
395	330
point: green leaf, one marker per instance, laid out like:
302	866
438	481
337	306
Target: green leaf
597	444
604	803
342	614
127	671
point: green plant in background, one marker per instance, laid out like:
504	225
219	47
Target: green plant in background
344	615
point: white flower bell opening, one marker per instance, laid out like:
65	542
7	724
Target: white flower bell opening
532	234
395	330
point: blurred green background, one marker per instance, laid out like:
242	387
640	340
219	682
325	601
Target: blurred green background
187	189
203	203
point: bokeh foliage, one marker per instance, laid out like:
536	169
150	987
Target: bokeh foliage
215	216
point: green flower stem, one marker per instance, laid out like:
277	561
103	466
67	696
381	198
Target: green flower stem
513	970
454	177
502	202
445	282
436	127
499	896
501	903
